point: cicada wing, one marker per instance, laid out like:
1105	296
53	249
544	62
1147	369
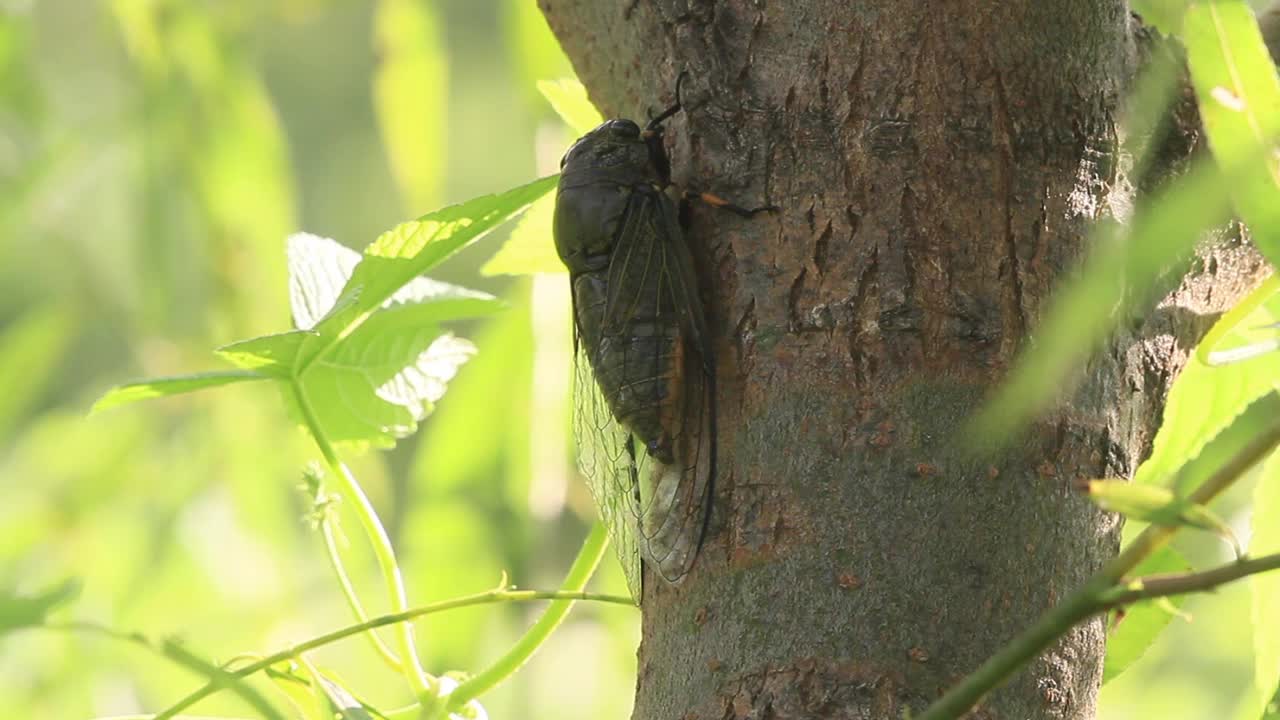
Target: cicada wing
634	268
606	461
652	276
674	499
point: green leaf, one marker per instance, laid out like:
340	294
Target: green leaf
269	355
29	352
1239	98
1158	505
1164	15
531	247
320	267
21	611
166	386
1258	417
1120	273
375	386
380	379
1204	399
345	705
1142	622
409	249
569	99
308	703
1243	330
1265	587
410	90
376	383
317	696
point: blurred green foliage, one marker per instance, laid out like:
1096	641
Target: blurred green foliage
154	155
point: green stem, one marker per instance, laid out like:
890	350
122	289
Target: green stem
180	717
593	550
219	677
484	598
349	591
422	684
1092	598
1168	584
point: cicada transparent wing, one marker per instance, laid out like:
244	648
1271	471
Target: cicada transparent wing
646	436
605	461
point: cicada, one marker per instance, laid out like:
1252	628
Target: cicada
645	414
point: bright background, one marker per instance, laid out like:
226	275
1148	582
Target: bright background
153	157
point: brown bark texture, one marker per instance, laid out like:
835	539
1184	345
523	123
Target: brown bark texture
937	165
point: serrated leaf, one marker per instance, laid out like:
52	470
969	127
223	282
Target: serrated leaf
1258	417
20	611
1239	98
410	249
569	99
320	267
1142	623
375	386
1204	399
531	247
168	386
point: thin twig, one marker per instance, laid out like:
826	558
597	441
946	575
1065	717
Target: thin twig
484	598
1087	601
1167	584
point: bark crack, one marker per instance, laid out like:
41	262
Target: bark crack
1015	309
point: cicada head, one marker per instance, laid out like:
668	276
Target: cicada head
616	151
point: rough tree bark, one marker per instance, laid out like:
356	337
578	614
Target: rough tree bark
937	165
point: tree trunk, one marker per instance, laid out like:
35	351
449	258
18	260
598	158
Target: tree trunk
937	166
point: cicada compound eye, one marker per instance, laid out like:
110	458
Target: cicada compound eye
624	128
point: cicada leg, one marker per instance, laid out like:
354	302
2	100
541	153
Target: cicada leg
716	201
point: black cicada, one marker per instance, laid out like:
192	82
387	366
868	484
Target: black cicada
644	371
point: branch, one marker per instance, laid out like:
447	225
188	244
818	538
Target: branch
584	566
1165	585
1091	598
484	598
